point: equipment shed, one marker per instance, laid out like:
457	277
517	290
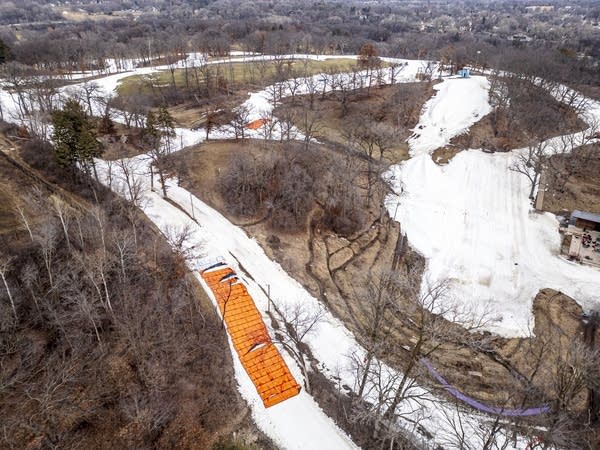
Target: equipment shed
585	220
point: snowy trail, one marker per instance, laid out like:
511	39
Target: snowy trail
298	423
458	104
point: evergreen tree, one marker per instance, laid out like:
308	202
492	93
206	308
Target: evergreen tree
167	127
74	137
158	134
160	129
106	125
151	131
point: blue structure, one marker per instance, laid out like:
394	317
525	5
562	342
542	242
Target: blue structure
464	73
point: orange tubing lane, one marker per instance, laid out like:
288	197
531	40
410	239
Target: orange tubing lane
259	356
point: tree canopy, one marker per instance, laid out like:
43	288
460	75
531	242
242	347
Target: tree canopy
74	137
368	56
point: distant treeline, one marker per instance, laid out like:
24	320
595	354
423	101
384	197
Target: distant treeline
78	35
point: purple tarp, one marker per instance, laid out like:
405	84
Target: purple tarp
478	405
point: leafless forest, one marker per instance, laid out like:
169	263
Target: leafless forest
106	338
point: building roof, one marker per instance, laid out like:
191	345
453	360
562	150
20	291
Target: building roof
585	215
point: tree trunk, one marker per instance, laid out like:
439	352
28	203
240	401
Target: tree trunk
389	414
10	297
533	185
363	381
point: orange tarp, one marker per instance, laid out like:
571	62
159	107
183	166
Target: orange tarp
256	124
259	356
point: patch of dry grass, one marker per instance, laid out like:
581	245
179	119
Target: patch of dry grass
255	73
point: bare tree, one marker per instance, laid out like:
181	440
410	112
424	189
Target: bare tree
159	133
430	318
132	107
372	140
342	93
566	143
395	69
20	210
311	87
132	180
47	239
239	121
5	266
268	125
575	372
97	267
311	125
426	71
211	112
299	321
383	293
42	94
286	119
430	330
124	243
499	97
488	433
64	213
571	98
275	92
178	238
88	93
530	162
293	86
16	76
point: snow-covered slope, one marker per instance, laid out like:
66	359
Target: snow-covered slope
297	423
473	221
472	218
434	196
458	104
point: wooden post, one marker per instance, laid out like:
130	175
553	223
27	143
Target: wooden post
268	298
539	200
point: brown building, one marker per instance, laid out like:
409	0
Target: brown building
585	220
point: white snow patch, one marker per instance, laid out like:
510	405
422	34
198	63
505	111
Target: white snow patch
458	104
473	221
